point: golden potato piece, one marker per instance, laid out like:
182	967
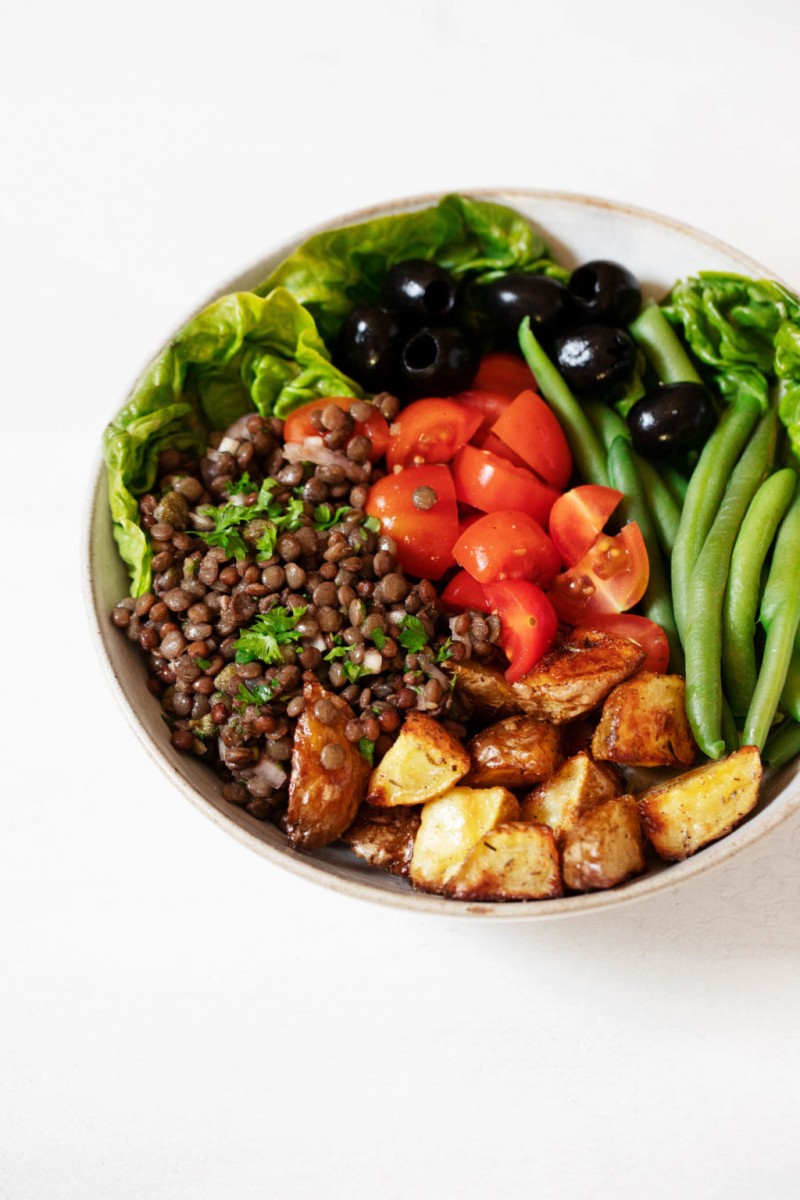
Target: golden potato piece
482	691
575	677
517	860
691	810
644	724
384	837
451	826
424	762
604	846
578	784
323	800
514	753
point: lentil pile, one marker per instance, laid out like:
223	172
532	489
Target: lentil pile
309	577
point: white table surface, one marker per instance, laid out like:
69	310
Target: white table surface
178	1018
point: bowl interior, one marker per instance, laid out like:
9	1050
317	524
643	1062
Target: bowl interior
659	251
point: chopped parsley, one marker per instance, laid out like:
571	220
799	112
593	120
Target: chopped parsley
203	663
445	651
379	638
228	517
413	635
337	650
367	748
325	517
255	693
243	487
354	671
372	524
264	638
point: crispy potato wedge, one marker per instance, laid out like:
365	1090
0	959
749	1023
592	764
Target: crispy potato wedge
384	837
578	784
482	691
604	846
514	753
577	676
322	803
451	826
424	762
644	724
517	860
686	813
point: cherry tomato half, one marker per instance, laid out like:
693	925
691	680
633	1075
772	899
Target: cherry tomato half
507	545
508	374
651	637
298	427
430	431
464	592
417	507
578	517
528	623
492	484
490	405
531	428
490	441
610	578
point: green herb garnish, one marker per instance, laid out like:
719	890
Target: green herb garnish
367	748
445	651
256	693
325	517
203	663
269	631
372	524
379	638
413	635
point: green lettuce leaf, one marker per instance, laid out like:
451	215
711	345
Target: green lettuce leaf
242	353
334	271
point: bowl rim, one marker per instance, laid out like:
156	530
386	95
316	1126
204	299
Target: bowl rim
305	866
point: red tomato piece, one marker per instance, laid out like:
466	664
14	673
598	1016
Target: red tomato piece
430	431
425	535
610	578
298	428
490	441
528	623
578	517
508	374
507	545
490	405
492	484
531	428
464	592
651	637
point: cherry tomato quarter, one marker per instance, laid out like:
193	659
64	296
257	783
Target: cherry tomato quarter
430	431
531	429
508	374
610	578
492	484
578	517
298	426
490	405
464	592
417	507
507	545
528	623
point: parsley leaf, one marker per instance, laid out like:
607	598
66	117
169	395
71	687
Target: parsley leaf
243	487
256	693
354	671
224	533
413	635
264	638
325	517
367	748
337	650
379	638
445	651
265	546
203	663
372	524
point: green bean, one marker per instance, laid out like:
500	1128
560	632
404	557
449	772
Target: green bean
702	640
780	616
782	745
730	734
790	696
606	422
656	602
739	670
704	495
587	449
664	508
654	335
676	482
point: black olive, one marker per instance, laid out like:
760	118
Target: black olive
420	291
438	361
506	301
606	291
674	417
368	345
594	357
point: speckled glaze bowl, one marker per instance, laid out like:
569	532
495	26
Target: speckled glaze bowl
577	228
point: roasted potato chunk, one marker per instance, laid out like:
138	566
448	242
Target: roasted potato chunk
384	837
578	784
514	753
424	762
482	691
323	800
604	846
644	724
451	826
517	860
575	677
686	813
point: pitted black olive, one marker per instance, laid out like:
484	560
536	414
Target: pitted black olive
605	291
438	361
594	357
672	418
368	345
506	301
420	291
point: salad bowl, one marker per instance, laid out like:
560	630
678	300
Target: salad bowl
576	228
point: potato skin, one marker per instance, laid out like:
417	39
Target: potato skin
577	676
644	724
515	753
384	837
604	847
516	860
425	762
482	691
322	803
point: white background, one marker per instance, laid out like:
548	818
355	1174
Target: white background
179	1017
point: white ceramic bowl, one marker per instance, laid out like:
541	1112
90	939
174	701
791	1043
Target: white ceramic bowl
577	228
